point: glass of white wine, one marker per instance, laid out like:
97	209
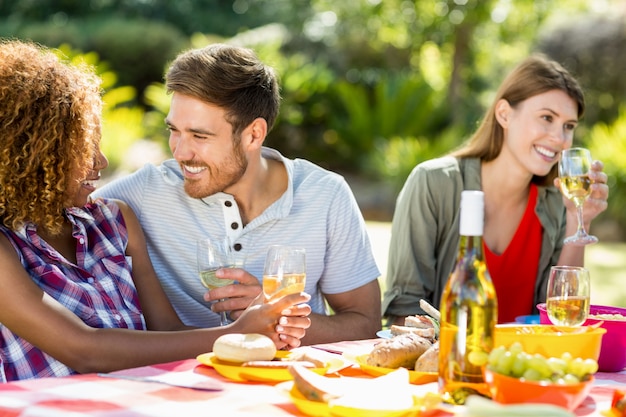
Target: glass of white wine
568	295
574	167
213	255
284	272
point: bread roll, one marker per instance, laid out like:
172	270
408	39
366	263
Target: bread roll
429	360
237	347
399	351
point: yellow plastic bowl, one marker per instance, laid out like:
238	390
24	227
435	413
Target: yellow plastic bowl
552	341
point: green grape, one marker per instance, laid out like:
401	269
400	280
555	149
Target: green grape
567	357
591	366
532	374
558	366
504	363
570	379
577	368
516	348
478	357
513	361
540	364
520	364
495	355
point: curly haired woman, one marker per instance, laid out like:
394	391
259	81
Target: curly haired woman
77	289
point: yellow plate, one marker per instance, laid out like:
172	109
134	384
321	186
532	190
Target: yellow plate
414	377
305	406
236	372
343	411
321	409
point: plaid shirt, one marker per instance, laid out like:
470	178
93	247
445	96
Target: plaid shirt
99	288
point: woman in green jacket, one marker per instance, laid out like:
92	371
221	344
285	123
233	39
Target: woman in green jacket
512	158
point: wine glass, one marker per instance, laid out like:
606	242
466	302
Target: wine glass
284	272
213	255
574	167
568	295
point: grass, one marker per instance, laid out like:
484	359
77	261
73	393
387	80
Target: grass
606	262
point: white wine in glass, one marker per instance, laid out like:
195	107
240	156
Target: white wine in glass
213	255
284	272
574	167
568	295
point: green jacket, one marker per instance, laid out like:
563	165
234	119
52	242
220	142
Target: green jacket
425	233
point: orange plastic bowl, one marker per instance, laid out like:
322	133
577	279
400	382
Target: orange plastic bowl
508	390
551	341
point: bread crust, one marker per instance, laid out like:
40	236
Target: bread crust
238	347
399	351
429	360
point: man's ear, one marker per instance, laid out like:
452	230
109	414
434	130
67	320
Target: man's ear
254	135
503	112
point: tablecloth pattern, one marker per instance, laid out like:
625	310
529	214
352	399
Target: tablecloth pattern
91	395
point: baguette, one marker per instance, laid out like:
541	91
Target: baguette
429	360
399	351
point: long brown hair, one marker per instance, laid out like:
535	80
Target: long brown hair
535	75
49	133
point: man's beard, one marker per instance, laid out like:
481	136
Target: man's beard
220	178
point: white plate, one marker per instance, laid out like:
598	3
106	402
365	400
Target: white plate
384	334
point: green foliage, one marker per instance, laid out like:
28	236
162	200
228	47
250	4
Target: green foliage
399	104
158	100
369	87
138	50
49	33
122	123
608	144
394	159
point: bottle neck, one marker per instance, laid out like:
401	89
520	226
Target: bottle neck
471	245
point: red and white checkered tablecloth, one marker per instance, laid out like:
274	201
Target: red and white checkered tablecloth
92	395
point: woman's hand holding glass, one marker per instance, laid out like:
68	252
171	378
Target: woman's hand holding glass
582	181
285	320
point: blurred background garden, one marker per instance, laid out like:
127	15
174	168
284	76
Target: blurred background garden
370	87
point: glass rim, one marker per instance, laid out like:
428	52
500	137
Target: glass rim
568	268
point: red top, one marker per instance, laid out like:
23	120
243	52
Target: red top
514	272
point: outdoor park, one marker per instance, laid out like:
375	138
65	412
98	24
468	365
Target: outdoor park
370	88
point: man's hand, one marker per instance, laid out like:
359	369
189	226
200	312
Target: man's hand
236	297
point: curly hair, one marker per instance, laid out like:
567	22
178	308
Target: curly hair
49	133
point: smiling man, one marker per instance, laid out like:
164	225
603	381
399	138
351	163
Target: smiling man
223	183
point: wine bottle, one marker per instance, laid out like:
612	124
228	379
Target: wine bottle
469	310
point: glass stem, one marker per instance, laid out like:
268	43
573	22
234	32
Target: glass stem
581	227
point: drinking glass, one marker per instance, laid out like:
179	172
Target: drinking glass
284	272
213	255
574	167
568	295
